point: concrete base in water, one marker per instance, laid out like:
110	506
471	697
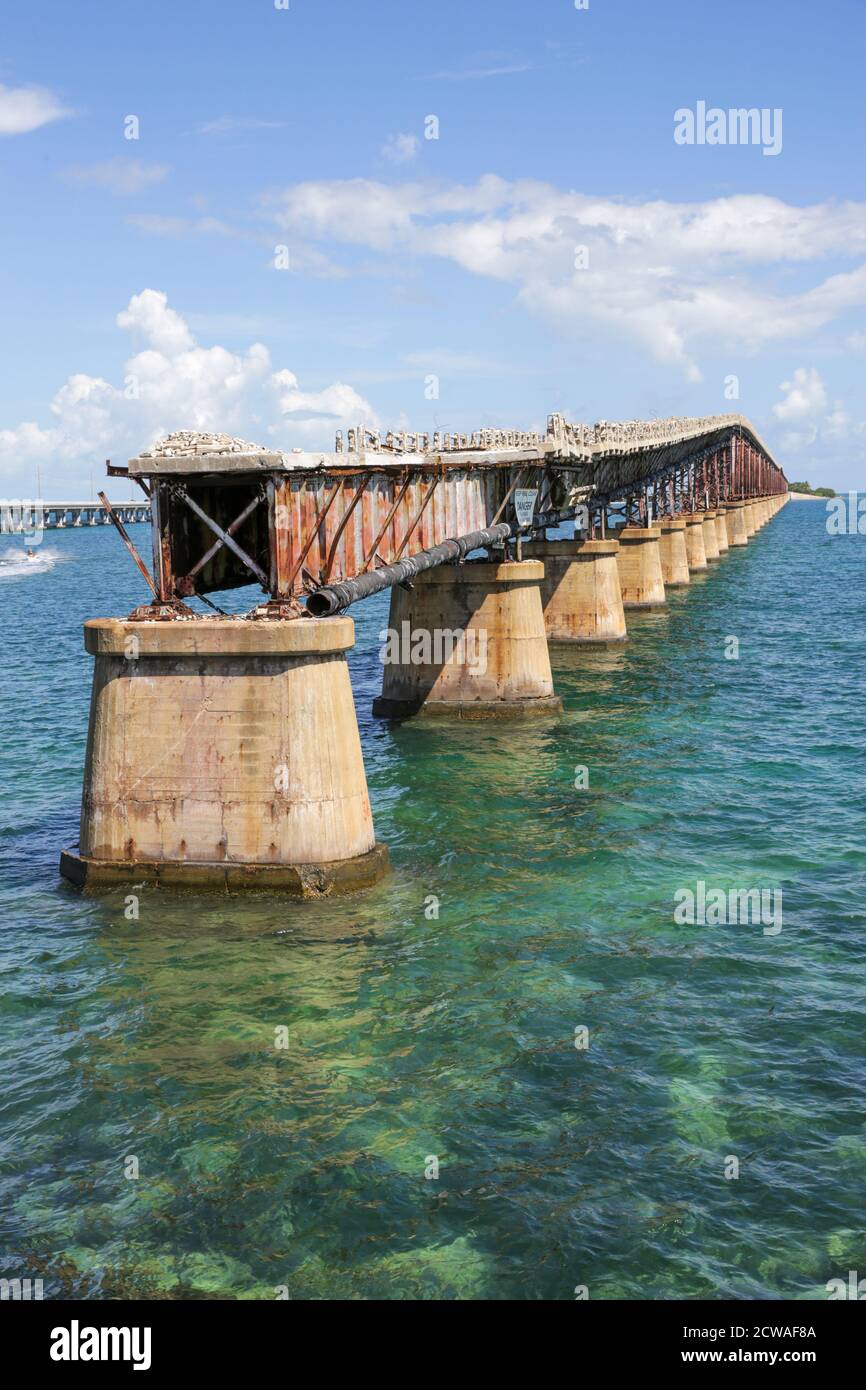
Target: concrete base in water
735	524
224	753
711	544
580	591
640	567
721	532
672	552
296	880
695	548
468	641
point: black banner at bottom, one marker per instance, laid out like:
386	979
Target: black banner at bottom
152	1338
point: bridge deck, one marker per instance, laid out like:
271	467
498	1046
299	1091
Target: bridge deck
295	521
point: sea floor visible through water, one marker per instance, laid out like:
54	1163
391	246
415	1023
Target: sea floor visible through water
431	1129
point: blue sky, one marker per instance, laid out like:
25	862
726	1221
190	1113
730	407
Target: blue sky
138	278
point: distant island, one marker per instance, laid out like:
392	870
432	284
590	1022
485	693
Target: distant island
812	491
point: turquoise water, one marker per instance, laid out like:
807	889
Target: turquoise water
411	1037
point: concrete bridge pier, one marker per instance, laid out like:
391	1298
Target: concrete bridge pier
721	532
711	543
580	591
468	641
695	547
224	753
640	567
672	551
735	524
749	519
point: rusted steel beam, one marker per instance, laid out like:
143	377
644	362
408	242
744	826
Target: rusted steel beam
421	510
371	554
344	521
314	529
128	543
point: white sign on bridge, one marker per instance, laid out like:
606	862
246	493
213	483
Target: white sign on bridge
524	504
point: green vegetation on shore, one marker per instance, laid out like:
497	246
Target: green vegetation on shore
813	491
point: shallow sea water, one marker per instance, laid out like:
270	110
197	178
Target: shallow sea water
412	1038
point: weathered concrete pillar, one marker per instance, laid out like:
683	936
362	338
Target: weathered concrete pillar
695	549
721	532
735	524
225	753
640	567
711	544
580	591
672	550
749	519
468	641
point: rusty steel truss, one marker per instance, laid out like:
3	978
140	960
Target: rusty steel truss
296	522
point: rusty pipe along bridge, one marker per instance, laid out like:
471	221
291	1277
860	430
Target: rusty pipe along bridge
301	522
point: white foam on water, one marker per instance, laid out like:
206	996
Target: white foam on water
14	563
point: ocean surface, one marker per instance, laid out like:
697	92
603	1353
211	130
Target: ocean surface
417	1041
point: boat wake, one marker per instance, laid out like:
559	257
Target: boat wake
16	564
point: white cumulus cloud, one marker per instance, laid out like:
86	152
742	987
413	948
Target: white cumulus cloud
23	109
171	382
810	416
805	396
339	403
672	277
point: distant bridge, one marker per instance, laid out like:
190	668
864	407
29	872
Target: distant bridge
19	518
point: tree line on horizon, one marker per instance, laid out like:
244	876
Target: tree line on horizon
814	491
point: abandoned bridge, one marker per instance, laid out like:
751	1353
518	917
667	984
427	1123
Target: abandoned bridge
225	750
